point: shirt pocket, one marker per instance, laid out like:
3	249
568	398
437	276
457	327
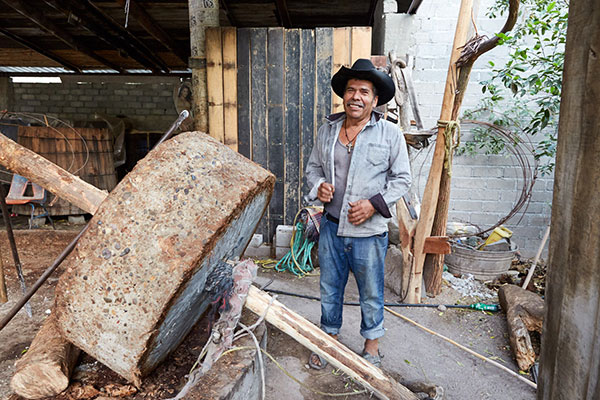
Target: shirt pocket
378	155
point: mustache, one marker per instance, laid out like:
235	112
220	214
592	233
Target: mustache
355	103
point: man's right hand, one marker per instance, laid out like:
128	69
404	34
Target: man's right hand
325	192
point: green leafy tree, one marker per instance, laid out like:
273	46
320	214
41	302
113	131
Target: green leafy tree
524	93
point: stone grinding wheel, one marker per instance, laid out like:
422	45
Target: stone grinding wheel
133	286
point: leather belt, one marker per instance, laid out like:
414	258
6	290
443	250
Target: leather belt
332	218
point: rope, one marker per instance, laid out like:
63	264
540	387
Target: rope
292	377
449	128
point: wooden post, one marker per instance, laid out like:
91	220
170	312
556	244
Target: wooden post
570	360
430	197
434	263
202	14
3	294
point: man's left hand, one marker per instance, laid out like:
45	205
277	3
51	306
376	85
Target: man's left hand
360	211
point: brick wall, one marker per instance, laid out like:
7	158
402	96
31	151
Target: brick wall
484	188
148	103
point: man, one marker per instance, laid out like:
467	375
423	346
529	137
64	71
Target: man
358	169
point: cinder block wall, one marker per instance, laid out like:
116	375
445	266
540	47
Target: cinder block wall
484	188
148	103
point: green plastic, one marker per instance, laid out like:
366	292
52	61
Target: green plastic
485	307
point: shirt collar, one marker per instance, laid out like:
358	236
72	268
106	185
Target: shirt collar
339	117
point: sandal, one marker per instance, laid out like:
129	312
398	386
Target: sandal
375	360
323	362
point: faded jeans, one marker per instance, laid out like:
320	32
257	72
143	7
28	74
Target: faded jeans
365	257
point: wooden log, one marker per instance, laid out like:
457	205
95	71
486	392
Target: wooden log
45	369
50	176
524	313
332	350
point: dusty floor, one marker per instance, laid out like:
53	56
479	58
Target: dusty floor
410	353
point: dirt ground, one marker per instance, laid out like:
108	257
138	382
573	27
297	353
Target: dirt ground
411	355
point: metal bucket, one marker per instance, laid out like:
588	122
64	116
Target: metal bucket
483	265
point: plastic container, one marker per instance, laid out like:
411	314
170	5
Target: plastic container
483	265
497	234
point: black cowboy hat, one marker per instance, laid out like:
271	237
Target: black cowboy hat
365	70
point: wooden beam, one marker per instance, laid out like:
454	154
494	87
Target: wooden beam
127	35
230	17
230	87
332	350
40	19
283	13
154	29
214	82
88	22
38	49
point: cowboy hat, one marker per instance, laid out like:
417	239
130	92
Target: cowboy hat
365	70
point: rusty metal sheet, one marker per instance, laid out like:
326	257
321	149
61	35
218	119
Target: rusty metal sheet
133	286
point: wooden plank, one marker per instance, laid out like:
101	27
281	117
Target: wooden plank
324	61
243	90
341	57
258	107
214	83
307	107
275	121
292	125
230	87
312	337
360	43
437	245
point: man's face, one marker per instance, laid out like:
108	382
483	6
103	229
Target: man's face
359	99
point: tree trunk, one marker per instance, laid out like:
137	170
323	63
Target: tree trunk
570	359
202	14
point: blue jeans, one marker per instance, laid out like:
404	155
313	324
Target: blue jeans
365	257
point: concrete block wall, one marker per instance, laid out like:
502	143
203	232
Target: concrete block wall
148	103
484	188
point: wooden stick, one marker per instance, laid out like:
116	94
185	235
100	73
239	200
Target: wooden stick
430	197
333	351
460	346
537	258
50	176
3	293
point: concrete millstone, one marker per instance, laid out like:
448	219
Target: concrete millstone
133	286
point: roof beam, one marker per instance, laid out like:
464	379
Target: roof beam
24	42
154	29
101	16
283	13
39	19
223	6
105	33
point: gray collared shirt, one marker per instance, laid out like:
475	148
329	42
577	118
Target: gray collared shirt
379	165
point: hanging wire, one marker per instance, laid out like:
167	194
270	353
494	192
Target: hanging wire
127	4
51	123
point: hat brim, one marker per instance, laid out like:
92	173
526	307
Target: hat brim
382	82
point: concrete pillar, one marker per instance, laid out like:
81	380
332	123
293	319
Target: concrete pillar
570	359
203	13
7	96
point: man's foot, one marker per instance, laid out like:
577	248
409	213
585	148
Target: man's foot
373	359
371	352
315	361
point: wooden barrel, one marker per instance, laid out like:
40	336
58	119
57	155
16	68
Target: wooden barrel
85	152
